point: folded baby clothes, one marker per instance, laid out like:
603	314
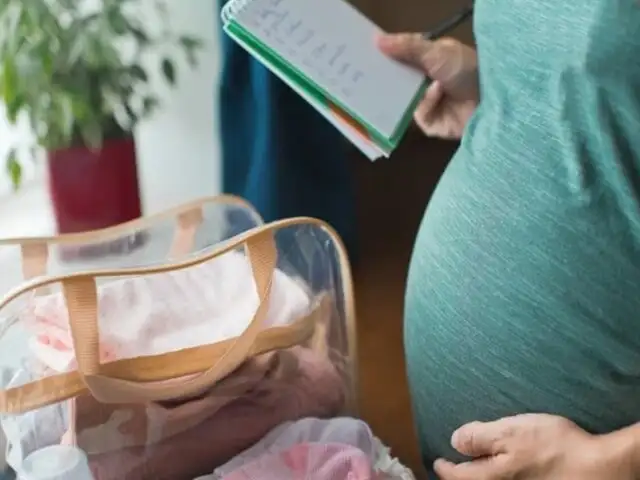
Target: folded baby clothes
313	461
302	384
101	428
293	384
151	315
315	449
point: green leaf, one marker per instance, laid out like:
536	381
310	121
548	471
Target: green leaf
132	116
169	71
66	117
161	7
91	133
138	73
149	105
9	21
190	43
14	169
141	37
117	21
192	59
9	80
14	106
75	51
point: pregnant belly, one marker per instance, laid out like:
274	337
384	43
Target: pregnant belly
507	312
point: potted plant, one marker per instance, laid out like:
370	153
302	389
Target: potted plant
81	79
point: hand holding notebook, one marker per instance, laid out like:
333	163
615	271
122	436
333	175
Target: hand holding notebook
325	51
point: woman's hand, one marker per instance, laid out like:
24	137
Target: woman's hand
537	447
452	66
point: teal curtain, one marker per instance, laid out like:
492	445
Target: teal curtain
7	474
277	151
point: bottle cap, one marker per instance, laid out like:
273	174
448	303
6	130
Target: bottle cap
58	462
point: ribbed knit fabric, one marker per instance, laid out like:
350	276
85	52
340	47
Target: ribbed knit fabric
524	288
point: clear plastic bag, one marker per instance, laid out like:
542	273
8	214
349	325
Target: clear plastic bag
163	347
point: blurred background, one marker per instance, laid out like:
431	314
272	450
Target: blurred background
177	150
176	147
174	156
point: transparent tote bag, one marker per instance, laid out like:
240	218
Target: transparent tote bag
161	348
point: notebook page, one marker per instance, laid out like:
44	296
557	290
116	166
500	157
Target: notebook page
332	44
368	148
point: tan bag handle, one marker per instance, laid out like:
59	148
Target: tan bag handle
154	368
106	234
187	226
34	262
82	304
34	259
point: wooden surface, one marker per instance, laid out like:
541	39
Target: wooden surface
392	195
413	15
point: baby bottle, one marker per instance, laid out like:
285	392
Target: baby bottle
57	462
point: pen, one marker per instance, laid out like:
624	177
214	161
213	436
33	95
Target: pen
449	24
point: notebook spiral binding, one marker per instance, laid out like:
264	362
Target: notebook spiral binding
232	8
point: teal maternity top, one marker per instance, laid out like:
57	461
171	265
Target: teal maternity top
524	287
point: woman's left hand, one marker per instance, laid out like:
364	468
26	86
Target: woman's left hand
532	447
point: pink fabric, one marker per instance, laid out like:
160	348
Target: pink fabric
353	437
343	430
156	314
309	461
101	428
52	342
306	385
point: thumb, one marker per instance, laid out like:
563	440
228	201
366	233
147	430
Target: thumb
427	114
487	467
480	439
431	99
410	48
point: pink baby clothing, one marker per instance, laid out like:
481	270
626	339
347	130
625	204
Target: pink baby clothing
304	384
298	383
101	428
156	314
353	436
309	461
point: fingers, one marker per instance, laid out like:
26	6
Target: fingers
408	48
479	439
489	468
425	112
432	97
432	115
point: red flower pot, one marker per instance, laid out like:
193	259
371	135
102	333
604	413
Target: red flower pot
94	189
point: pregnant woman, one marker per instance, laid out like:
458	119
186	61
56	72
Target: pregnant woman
523	301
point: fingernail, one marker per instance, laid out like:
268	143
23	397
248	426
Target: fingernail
455	438
381	38
440	463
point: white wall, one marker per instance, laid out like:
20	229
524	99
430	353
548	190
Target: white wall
14	137
178	153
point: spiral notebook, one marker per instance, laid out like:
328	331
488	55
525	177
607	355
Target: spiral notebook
325	51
